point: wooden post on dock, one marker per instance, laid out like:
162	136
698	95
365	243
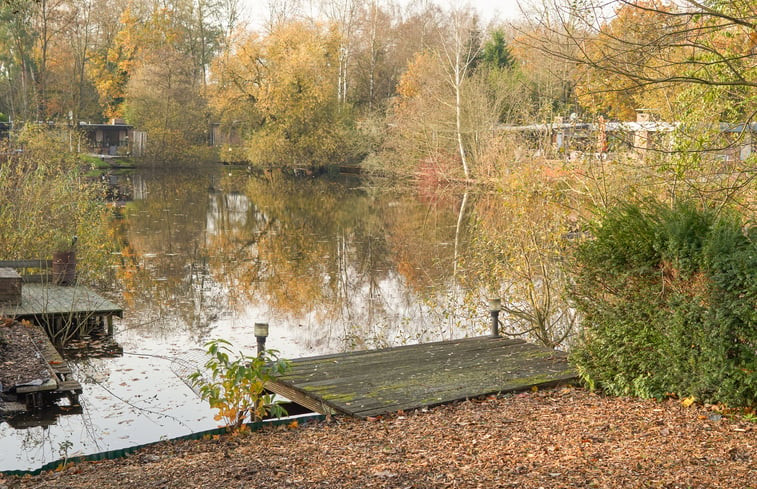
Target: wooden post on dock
495	305
261	333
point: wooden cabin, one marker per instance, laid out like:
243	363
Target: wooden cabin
113	139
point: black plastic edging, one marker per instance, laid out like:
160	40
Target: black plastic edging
123	452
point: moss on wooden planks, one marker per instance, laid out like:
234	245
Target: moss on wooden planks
372	382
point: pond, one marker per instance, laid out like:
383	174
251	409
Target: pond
331	263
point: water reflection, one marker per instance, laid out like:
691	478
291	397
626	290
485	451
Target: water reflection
332	264
337	265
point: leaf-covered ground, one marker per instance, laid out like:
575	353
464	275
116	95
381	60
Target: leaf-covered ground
20	361
562	438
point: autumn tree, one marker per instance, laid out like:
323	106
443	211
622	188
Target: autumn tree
113	64
49	20
237	77
343	16
71	93
450	100
376	42
419	121
649	43
550	81
16	57
689	61
459	49
27	33
286	83
45	48
155	73
427	115
229	18
648	53
377	61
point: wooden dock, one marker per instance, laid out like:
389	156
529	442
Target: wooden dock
46	292
46	299
61	384
375	382
55	307
38	309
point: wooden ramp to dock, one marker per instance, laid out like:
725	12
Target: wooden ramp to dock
61	383
34	374
374	382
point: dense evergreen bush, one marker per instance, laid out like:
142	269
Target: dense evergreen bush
669	303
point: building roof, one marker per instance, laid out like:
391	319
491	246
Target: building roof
87	125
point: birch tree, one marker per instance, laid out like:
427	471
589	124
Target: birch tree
343	14
459	49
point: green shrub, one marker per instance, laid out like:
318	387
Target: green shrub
45	201
668	297
236	386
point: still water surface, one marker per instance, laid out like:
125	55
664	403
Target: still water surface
332	264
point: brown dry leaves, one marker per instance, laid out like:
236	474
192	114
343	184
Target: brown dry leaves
564	438
19	361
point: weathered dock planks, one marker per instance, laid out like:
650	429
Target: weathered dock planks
61	384
58	307
46	299
369	383
48	308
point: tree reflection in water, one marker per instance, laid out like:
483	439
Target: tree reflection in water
338	264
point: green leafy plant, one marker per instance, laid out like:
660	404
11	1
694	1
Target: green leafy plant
63	448
236	386
667	295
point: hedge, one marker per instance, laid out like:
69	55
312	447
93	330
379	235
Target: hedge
668	296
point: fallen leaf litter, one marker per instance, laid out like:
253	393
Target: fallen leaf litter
563	438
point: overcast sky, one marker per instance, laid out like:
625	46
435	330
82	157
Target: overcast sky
488	9
255	10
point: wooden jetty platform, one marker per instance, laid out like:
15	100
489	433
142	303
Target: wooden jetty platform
53	300
51	297
61	384
375	382
55	306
